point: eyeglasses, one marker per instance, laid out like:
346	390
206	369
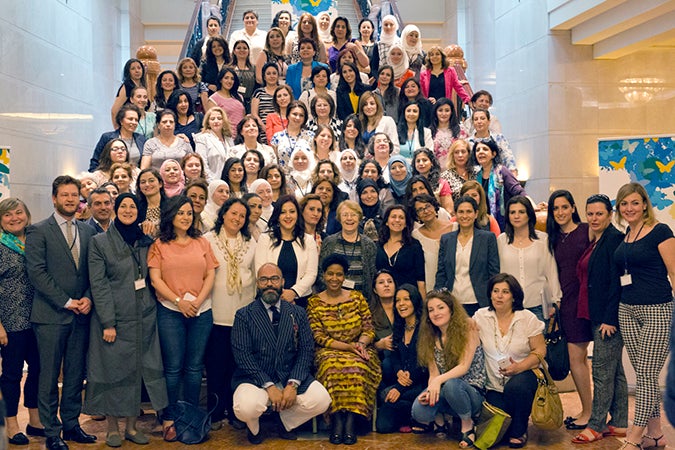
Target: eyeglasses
274	279
423	209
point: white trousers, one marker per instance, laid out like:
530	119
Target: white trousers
250	402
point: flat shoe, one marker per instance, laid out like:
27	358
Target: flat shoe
35	431
349	439
583	438
335	439
569	419
139	438
169	433
19	439
576	426
113	440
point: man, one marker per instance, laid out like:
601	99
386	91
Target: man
273	347
101	206
56	259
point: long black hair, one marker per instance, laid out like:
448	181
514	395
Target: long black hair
384	231
169	211
402	126
552	227
531	217
454	120
225	208
274	225
399	322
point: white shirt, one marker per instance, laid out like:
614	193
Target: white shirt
462	287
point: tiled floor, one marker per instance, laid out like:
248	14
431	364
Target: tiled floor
228	438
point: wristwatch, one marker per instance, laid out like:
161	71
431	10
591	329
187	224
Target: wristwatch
293	384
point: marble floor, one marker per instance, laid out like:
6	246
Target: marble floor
228	438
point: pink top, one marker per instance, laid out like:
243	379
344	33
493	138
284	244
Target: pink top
183	267
233	108
451	82
273	124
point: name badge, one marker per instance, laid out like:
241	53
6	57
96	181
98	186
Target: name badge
241	89
626	280
348	284
139	284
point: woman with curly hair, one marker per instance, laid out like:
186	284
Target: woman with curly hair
424	163
217	56
445	131
214	143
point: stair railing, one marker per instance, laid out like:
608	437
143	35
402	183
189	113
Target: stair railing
194	31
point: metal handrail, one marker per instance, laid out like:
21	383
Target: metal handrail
194	31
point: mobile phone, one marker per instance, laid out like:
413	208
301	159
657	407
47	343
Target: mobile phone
504	363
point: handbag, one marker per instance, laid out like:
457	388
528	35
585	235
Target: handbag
557	356
491	426
547	411
192	423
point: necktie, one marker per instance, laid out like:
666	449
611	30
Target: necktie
72	243
275	319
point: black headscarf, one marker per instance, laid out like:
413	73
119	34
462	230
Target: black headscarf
369	212
130	233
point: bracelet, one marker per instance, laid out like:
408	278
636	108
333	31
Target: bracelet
176	301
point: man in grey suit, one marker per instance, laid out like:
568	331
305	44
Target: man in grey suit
56	258
273	346
100	203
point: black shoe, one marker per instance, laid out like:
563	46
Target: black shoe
349	438
237	424
336	428
254	439
283	433
55	443
35	431
78	435
19	439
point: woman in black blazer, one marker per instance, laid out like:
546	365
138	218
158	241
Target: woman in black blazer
349	89
467	258
599	295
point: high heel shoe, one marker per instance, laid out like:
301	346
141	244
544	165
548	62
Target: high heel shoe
655	440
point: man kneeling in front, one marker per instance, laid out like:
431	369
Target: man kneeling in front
274	348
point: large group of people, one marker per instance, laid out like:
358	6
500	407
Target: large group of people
303	216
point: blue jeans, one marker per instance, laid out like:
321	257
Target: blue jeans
183	341
539	312
458	398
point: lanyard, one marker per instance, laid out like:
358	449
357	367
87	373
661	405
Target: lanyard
625	247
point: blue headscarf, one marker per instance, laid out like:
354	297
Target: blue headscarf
398	187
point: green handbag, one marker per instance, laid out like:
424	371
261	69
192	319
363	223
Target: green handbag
492	426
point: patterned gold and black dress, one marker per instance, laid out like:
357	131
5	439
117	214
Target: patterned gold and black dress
351	381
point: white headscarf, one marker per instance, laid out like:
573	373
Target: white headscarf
352	175
411	51
400	68
389	38
324	35
210	213
302	177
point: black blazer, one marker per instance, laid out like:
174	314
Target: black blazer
604	287
264	357
483	263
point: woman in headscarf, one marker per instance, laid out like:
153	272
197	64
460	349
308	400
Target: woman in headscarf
411	39
349	172
173	177
400	63
263	188
369	201
388	37
399	175
219	191
302	164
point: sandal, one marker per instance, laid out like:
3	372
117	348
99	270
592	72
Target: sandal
569	419
587	436
520	442
169	433
653	439
441	431
626	443
466	441
421	428
611	430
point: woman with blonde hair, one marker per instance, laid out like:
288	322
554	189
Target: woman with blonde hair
373	120
214	143
191	81
459	166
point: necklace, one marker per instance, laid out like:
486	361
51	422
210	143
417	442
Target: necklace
411	327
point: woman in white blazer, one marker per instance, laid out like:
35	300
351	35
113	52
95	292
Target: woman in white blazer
287	245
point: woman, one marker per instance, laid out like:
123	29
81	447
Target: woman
350	136
16	334
322	108
388	90
349	89
412	92
646	257
148	119
480	118
445	131
151	200
245	70
366	28
261	102
228	97
349	174
400	174
347	364
272	53
484	221
403	378
398	251
523	252
450	347
382	308
253	162
497	181
359	250
320	79
373	120
283	20
369	201
301	165
288	246
327	170
599	295
127	121
213	29
299	75
324	21
341	34
233	288
294	136
182	270
411	133
122	176
411	41
398	60
371	169
276	178
250	33
512	339
219	193
188	121
250	136
425	208
254	203
112	189
483	100
133	75
166	145
307	28
329	193
278	120
217	57
313	215
263	189
124	350
438	79
115	151
380	148
388	37
172	177
193	167
234	175
197	190
167	83
467	259
459	165
191	81
567	242
424	164
214	143
324	145
419	185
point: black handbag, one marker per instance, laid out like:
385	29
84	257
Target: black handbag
192	423
557	356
